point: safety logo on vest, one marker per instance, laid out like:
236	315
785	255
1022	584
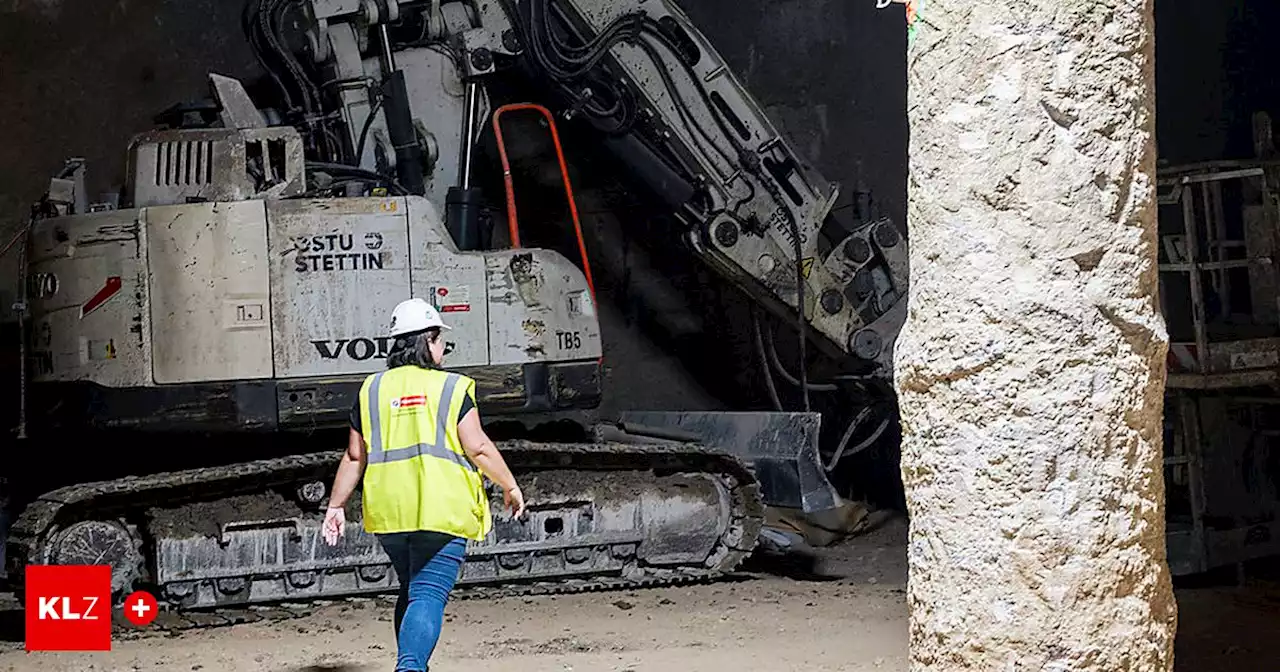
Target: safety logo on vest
409	402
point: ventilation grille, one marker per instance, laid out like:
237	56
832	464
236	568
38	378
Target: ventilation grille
184	162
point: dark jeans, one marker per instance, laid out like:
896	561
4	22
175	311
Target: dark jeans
427	565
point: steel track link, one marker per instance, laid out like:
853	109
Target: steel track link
99	500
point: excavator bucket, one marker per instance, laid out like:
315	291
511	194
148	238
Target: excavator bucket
781	448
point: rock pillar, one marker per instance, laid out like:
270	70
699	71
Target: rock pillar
1031	369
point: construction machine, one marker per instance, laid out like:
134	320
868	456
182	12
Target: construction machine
189	342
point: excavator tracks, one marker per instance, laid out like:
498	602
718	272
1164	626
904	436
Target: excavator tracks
241	543
176	621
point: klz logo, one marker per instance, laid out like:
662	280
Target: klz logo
68	607
358	349
60	609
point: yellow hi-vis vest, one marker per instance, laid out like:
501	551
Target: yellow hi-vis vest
417	477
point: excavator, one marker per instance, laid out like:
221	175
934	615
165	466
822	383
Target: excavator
190	340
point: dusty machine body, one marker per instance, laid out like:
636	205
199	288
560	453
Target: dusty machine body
241	291
261	312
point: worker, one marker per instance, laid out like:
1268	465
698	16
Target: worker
417	442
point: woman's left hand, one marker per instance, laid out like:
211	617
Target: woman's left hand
514	500
335	522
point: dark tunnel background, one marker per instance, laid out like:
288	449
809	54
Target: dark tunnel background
80	80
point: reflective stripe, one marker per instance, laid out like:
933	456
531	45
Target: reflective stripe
418	450
375	419
438	449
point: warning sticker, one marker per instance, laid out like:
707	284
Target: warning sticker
101	350
453	299
806	267
1254	360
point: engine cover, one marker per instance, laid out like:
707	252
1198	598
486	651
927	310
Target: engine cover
180	166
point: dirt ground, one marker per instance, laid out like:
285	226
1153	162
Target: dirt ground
776	621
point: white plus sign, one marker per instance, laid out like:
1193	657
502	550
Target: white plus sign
140	608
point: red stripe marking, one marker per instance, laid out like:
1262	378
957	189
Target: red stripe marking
108	290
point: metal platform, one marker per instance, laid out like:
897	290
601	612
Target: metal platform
1219	283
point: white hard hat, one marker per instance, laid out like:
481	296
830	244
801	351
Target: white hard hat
414	315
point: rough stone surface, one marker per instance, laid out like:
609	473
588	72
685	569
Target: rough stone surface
1031	369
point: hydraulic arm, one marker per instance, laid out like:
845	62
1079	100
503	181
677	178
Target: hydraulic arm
667	105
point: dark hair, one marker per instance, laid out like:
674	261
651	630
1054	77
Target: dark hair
413	349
